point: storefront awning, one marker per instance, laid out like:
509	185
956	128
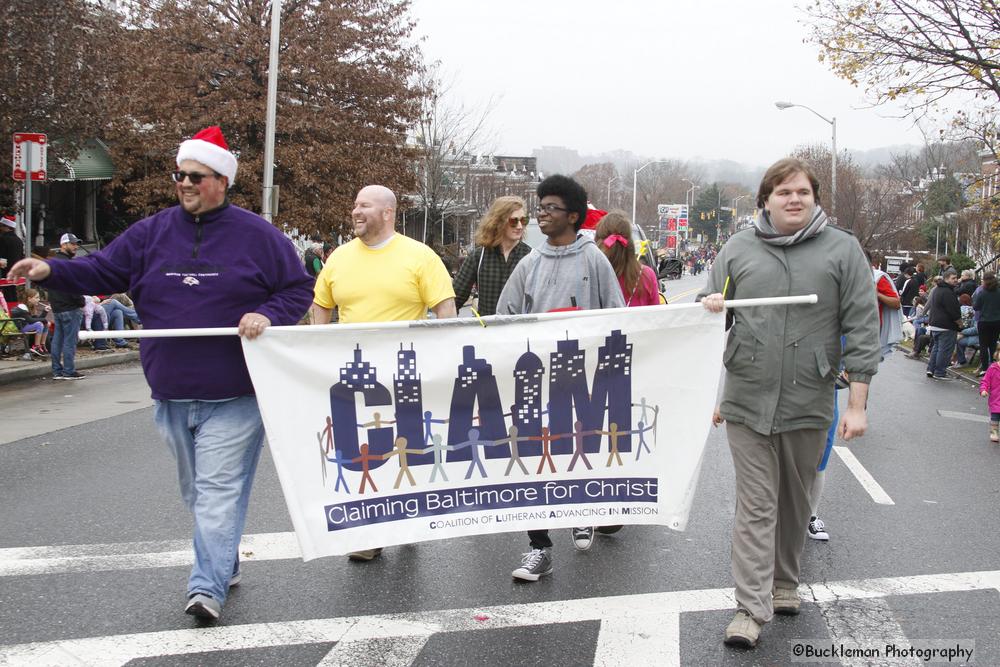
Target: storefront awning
92	163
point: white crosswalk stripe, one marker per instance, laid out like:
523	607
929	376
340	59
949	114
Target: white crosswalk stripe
635	629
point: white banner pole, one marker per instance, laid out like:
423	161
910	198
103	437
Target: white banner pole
462	321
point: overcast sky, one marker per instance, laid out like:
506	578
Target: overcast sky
662	78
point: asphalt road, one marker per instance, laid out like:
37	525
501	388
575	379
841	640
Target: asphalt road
94	539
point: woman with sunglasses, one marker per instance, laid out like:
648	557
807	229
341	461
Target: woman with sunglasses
498	250
638	281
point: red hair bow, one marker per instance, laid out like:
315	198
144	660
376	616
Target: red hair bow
615	238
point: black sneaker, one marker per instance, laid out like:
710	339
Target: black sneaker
817	530
930	374
609	530
73	376
534	564
841	381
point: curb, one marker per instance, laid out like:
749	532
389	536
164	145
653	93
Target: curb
43	368
971	381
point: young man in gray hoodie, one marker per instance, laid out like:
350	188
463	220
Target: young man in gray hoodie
567	271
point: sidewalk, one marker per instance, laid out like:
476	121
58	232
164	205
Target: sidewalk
966	374
13	369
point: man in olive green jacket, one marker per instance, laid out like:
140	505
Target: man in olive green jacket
781	362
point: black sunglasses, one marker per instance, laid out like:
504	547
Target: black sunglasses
193	176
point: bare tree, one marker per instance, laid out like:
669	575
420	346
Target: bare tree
446	139
598	180
924	53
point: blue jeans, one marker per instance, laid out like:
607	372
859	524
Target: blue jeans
831	433
97	324
64	339
117	314
217	445
940	355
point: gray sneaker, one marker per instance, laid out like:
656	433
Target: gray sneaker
204	607
583	538
534	564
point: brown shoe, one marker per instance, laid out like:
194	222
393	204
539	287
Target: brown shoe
786	601
742	631
364	555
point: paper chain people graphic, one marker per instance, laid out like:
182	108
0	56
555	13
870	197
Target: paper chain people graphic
475	444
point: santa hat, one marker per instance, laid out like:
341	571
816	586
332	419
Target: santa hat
9	221
594	216
209	147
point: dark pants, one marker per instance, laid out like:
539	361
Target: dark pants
539	539
940	356
97	324
988	334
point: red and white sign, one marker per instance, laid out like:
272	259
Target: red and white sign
671	242
38	144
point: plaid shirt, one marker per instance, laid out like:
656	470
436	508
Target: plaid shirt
490	276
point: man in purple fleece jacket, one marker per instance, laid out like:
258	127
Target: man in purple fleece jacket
204	263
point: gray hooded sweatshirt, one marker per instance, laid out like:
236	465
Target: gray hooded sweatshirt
552	277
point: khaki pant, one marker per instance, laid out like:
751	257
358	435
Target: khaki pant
773	476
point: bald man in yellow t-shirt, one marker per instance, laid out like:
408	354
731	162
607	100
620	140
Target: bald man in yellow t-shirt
381	276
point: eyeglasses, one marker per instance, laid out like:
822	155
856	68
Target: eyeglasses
514	222
549	208
193	176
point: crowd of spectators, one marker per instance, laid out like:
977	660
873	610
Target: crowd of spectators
962	320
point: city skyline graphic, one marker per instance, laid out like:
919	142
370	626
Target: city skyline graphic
584	423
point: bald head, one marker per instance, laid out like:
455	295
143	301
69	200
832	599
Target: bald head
374	214
380	194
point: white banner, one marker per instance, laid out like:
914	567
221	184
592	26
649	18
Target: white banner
399	433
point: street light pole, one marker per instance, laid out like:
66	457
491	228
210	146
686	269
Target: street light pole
266	209
690	191
610	181
635	182
833	160
736	202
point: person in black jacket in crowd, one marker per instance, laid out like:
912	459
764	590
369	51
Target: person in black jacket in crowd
11	252
968	283
946	315
987	303
909	288
68	314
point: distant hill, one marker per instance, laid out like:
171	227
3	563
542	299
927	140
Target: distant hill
563	160
883	155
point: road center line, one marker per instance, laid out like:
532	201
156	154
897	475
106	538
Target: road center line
982	419
868	482
635	625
